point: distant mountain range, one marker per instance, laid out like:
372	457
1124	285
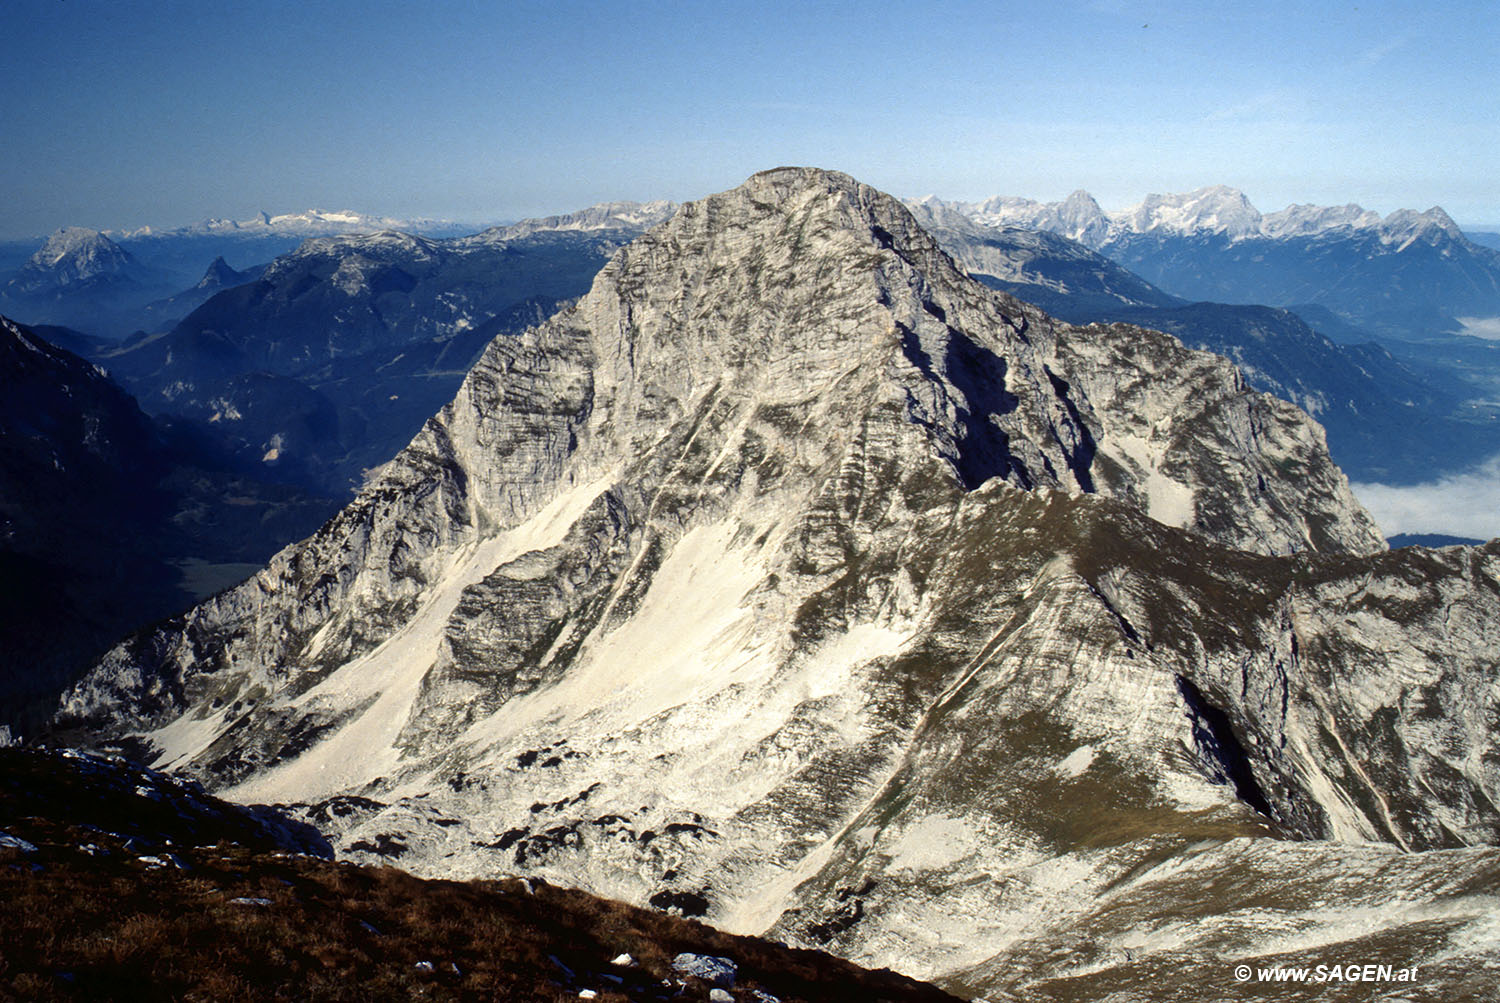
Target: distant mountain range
331	358
1388	420
113	282
1408	275
1217	209
309	223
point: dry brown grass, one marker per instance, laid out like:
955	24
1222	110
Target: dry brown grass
108	927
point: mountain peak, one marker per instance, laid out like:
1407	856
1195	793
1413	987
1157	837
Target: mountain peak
1080	218
77	244
792	176
816	192
1405	226
72	255
789	340
219	275
816	560
1215	209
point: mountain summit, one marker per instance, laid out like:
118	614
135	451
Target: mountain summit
220	276
71	256
793	579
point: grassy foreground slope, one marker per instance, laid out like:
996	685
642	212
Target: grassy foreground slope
119	883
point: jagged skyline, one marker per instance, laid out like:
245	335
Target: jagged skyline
527	110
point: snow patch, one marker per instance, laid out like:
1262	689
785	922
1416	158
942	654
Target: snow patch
1190	792
933	843
1076	762
183	737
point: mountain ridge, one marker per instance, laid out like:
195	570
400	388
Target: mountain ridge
1215	209
307	223
1409	276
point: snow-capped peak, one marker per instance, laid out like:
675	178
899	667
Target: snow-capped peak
77	243
74	254
308	223
1404	226
1081	218
1078	217
1305	220
1217	209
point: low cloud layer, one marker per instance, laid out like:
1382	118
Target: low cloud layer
1465	504
1481	327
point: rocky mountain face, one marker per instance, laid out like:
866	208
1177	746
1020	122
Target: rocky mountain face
1388	419
71	256
1407	275
1386	422
331	360
796	580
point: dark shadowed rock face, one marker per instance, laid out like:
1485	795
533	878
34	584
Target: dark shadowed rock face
796	578
100	514
79	508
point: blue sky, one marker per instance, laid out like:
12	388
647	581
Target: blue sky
120	113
